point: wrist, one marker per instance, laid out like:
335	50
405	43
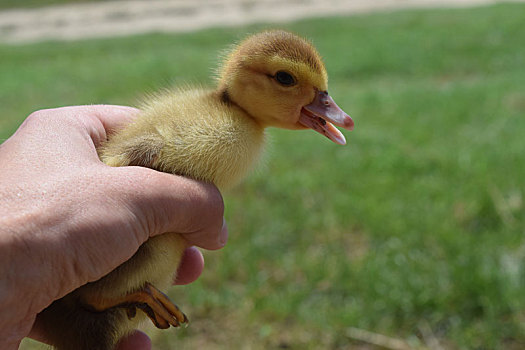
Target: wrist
16	300
27	259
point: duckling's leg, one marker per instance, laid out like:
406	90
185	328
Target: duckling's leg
155	304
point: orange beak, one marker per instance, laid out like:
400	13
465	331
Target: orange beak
322	114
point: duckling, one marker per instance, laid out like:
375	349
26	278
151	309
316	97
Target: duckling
271	79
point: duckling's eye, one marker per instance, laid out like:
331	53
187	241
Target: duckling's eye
285	79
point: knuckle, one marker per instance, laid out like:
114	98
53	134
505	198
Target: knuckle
51	117
37	117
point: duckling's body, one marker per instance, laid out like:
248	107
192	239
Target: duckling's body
271	79
206	137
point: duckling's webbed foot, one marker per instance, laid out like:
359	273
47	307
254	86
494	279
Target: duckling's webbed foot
155	304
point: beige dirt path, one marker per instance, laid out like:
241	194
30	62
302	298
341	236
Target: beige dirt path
125	17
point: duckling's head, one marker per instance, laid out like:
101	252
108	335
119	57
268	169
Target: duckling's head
280	80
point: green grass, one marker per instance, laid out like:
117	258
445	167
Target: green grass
417	224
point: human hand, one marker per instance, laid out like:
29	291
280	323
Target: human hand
68	219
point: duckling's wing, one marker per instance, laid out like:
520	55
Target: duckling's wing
138	150
144	154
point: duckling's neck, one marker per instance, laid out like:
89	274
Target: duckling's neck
225	97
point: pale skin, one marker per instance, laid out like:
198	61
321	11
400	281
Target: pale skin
68	219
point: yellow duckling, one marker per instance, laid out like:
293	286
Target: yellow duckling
272	78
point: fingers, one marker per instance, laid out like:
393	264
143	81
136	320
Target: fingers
190	267
81	129
99	120
102	120
113	117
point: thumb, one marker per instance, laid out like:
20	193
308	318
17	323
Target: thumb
169	203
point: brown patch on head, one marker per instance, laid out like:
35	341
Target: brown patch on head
285	45
257	52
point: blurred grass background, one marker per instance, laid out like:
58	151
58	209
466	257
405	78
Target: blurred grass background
11	4
414	230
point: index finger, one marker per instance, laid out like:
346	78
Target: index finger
103	120
112	117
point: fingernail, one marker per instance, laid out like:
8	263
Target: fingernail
223	237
